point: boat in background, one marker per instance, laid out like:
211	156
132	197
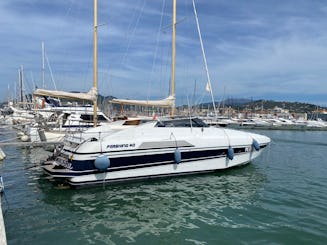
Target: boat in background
66	120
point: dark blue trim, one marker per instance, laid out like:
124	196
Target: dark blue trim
147	159
132	162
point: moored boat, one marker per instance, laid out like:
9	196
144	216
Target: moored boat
154	149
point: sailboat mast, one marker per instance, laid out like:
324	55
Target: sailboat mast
173	58
21	84
95	64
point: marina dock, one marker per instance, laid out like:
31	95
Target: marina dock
3	238
30	143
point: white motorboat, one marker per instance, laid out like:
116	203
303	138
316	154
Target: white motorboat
154	149
71	119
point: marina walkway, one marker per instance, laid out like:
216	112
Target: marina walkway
3	239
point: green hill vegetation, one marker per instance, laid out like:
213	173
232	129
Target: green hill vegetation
297	107
262	105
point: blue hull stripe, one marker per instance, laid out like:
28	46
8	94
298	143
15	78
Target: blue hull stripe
132	162
125	162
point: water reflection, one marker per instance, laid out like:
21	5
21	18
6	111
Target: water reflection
34	156
156	207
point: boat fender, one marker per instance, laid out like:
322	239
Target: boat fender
230	153
42	134
20	133
102	162
24	138
2	186
178	156
255	145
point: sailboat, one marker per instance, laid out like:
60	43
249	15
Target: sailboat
79	119
153	149
92	95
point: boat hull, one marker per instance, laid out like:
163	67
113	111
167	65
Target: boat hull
161	170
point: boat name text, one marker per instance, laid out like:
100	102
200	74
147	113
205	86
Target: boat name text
120	146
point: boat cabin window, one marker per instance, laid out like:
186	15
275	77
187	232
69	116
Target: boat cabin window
185	122
86	117
101	118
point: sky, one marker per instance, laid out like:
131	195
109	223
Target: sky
259	49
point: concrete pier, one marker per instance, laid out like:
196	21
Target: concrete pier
30	143
3	238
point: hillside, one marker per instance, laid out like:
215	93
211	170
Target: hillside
297	107
242	104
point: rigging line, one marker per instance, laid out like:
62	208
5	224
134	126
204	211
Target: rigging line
69	13
193	98
26	87
111	76
200	100
169	26
89	66
204	57
164	69
156	49
189	112
70	7
133	32
132	18
222	100
6	140
33	81
48	63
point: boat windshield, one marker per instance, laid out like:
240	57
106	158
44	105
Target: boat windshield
185	122
135	122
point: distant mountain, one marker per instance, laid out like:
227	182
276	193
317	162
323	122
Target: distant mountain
228	102
235	102
102	99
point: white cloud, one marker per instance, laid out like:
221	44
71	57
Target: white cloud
271	49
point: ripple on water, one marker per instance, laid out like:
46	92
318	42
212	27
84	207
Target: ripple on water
280	198
161	207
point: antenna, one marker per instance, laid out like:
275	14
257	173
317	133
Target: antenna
189	112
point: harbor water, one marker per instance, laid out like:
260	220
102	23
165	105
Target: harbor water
280	198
